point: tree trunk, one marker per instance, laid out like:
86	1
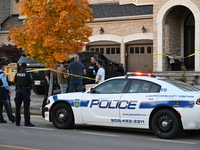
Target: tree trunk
51	84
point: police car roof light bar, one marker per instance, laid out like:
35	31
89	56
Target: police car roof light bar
140	74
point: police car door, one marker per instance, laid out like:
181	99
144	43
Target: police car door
103	103
139	98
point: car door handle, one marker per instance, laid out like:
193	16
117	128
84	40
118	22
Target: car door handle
115	100
150	98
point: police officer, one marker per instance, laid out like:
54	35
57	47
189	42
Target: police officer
5	93
92	69
23	82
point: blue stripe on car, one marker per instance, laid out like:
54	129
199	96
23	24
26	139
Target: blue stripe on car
176	104
72	102
84	103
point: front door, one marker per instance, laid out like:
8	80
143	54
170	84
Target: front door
189	42
189	48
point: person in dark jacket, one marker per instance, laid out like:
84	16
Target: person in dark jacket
23	82
77	69
92	70
5	93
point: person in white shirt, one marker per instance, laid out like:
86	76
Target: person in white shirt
100	77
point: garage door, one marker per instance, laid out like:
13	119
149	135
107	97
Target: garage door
140	58
111	52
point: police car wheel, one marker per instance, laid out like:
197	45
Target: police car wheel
62	116
165	124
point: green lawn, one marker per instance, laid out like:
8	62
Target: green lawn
22	111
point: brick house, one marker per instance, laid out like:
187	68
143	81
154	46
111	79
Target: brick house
141	34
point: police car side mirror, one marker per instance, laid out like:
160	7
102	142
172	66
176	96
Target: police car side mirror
92	90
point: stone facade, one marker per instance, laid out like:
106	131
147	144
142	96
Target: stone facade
122	27
3	39
137	2
167	31
14	8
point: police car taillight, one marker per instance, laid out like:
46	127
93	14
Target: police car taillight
198	102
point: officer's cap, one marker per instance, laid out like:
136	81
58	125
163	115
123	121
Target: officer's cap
23	65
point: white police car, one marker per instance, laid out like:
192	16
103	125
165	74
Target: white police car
165	106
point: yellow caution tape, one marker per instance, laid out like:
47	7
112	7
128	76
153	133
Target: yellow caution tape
31	70
56	71
190	55
38	70
74	75
3	57
161	54
172	55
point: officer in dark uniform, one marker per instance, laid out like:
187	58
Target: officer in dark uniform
92	70
5	93
23	82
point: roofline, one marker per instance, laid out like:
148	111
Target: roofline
4	32
139	17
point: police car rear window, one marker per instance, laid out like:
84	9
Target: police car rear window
181	85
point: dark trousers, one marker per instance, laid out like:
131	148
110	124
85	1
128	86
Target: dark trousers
22	95
5	101
75	84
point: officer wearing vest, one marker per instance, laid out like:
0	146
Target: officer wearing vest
23	83
92	70
5	93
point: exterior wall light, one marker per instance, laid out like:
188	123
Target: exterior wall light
143	29
101	30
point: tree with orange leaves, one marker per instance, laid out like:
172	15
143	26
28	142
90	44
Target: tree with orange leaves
52	29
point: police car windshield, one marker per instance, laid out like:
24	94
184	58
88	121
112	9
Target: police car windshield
181	85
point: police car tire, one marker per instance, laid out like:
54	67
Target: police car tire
165	124
62	116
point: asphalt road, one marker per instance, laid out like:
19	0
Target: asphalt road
44	136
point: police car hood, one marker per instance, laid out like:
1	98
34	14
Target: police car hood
68	97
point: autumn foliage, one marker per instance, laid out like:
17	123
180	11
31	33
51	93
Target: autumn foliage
53	29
